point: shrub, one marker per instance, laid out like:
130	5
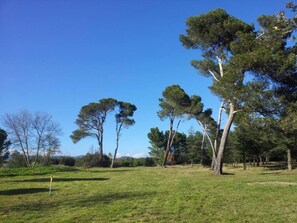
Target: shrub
127	162
16	160
67	161
149	161
92	160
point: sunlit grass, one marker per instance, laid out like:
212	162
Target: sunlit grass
174	194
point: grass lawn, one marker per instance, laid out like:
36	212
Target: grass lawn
174	194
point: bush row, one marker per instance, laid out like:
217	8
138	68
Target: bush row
88	161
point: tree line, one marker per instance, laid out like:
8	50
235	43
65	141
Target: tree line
36	135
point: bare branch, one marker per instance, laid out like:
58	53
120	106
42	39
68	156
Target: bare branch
220	62
208	137
213	75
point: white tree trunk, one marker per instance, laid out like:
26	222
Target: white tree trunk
218	169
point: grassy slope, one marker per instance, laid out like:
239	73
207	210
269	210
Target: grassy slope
176	194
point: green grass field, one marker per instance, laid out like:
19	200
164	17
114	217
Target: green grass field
174	194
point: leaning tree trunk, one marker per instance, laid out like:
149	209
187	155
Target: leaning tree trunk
218	168
100	144
213	161
202	149
289	159
115	154
118	131
170	140
218	129
168	144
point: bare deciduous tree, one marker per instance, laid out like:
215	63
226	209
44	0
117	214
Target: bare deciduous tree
32	134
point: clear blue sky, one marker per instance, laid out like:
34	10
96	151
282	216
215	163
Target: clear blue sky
58	55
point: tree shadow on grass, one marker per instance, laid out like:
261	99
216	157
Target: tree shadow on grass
24	191
23	174
62	179
109	171
84	201
109	198
276	166
13	172
271	173
228	174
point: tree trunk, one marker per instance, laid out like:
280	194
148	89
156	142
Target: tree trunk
170	140
168	144
37	155
27	158
218	169
114	155
258	161
244	159
202	149
113	159
218	126
101	147
261	160
210	142
25	150
289	159
216	141
266	160
213	161
116	149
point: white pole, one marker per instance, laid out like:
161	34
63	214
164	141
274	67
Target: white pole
50	186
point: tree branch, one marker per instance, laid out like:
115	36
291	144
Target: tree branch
213	75
208	137
220	62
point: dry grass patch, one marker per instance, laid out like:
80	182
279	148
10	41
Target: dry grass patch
274	183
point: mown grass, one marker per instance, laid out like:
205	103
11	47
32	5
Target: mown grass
175	194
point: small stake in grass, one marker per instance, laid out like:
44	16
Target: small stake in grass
50	186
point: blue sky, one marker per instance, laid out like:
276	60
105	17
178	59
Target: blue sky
58	55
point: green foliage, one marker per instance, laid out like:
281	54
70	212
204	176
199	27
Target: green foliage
126	111
93	160
184	149
216	34
196	152
17	160
149	161
231	50
213	31
158	145
91	119
173	103
127	162
134	162
4	146
67	161
272	60
179	148
123	119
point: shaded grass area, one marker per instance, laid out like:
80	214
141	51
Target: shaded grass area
23	191
11	172
177	194
59	179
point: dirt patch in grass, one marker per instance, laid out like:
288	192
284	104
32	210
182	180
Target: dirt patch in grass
274	183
